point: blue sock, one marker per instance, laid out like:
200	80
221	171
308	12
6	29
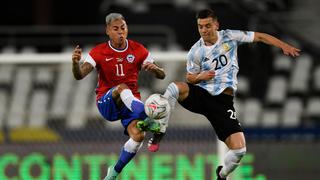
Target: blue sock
138	107
133	103
128	151
124	159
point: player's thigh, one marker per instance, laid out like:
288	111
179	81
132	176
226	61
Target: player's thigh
195	99
107	107
222	116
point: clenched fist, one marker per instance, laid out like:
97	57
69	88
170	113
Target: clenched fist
76	55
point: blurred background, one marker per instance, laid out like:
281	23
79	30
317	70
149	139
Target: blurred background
51	129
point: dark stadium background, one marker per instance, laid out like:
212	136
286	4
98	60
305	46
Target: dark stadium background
278	147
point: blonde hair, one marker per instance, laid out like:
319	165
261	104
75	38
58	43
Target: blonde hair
113	16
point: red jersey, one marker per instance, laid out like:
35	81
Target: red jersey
118	66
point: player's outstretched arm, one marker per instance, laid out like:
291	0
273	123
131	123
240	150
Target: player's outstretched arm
79	71
155	69
271	40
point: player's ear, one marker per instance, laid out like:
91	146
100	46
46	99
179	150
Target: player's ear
107	30
217	24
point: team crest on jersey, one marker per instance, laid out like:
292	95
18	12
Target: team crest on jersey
130	58
226	47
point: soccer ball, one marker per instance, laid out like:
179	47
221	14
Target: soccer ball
157	106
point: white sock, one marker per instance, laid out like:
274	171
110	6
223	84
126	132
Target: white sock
172	94
128	151
127	97
232	161
132	146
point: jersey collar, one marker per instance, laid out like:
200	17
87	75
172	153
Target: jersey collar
215	44
118	50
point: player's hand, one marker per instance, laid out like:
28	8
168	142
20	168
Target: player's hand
206	75
149	67
76	55
290	50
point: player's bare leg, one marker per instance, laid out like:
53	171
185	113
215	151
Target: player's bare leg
237	149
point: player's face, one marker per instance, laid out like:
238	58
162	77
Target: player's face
207	28
117	31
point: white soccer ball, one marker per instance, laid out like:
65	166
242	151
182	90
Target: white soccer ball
157	106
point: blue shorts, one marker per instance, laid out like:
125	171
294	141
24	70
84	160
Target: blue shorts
109	110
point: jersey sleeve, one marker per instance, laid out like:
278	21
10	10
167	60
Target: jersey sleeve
193	62
91	58
148	59
146	55
241	36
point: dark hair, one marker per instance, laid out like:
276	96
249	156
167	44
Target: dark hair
205	13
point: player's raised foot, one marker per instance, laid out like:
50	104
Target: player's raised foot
218	173
112	174
154	143
149	125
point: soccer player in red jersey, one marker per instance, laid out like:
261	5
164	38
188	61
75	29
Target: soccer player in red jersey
118	62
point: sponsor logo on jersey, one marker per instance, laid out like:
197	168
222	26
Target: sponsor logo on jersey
109	59
119	59
130	58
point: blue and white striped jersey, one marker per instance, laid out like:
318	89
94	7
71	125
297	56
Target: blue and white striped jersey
221	57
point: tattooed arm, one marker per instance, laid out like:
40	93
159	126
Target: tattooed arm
79	71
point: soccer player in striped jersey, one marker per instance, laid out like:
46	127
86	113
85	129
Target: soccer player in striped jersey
212	67
118	62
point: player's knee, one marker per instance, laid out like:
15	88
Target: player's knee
180	85
183	90
121	87
118	89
